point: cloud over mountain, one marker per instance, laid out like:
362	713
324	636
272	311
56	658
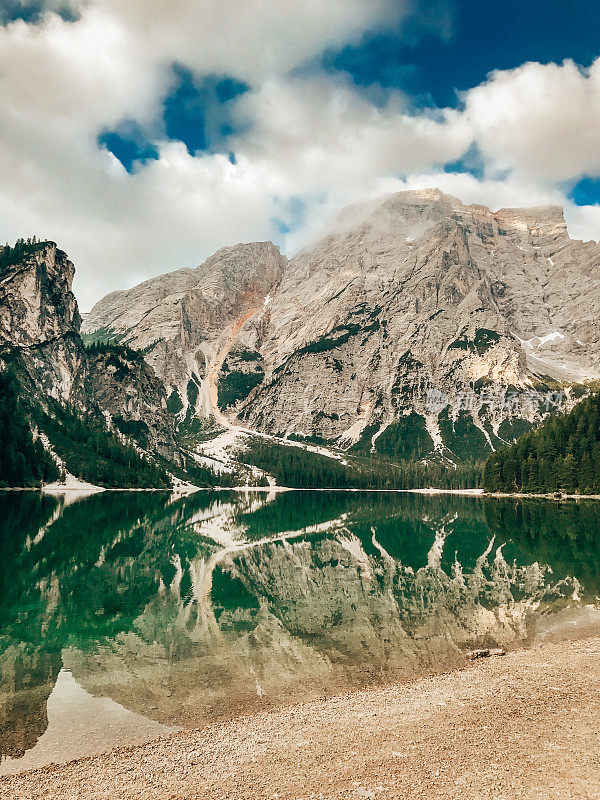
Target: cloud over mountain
145	136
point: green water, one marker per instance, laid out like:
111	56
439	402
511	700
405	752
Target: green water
126	615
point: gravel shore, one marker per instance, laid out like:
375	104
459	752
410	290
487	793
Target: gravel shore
517	727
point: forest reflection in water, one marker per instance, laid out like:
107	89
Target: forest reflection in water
187	610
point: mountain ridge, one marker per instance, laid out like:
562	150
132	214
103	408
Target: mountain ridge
419	329
409	295
71	401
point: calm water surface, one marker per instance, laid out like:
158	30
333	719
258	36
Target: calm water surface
124	616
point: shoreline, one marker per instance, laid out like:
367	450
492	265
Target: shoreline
543	496
90	490
520	727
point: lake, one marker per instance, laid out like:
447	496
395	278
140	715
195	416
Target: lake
127	615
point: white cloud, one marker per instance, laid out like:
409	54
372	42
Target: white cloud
119	229
62	83
583	221
74	77
250	39
319	135
311	137
540	119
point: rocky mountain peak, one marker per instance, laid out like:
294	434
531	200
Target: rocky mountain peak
416	212
36	301
186	319
538	221
408	295
241	270
420	293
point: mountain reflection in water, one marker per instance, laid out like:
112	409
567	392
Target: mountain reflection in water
187	610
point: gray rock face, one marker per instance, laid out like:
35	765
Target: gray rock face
39	316
183	320
421	293
39	322
127	388
419	318
37	304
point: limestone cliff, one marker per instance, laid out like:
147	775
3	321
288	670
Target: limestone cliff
125	386
39	325
419	324
40	319
419	301
186	321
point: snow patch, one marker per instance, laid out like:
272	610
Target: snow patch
478	424
539	341
550	337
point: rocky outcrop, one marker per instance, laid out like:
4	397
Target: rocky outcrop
186	321
37	302
39	324
123	385
39	318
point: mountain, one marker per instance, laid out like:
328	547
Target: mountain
419	329
39	316
185	322
420	325
92	410
422	293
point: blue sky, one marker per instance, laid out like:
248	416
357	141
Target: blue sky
165	131
442	50
32	11
481	37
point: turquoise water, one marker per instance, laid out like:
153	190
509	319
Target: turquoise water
128	615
